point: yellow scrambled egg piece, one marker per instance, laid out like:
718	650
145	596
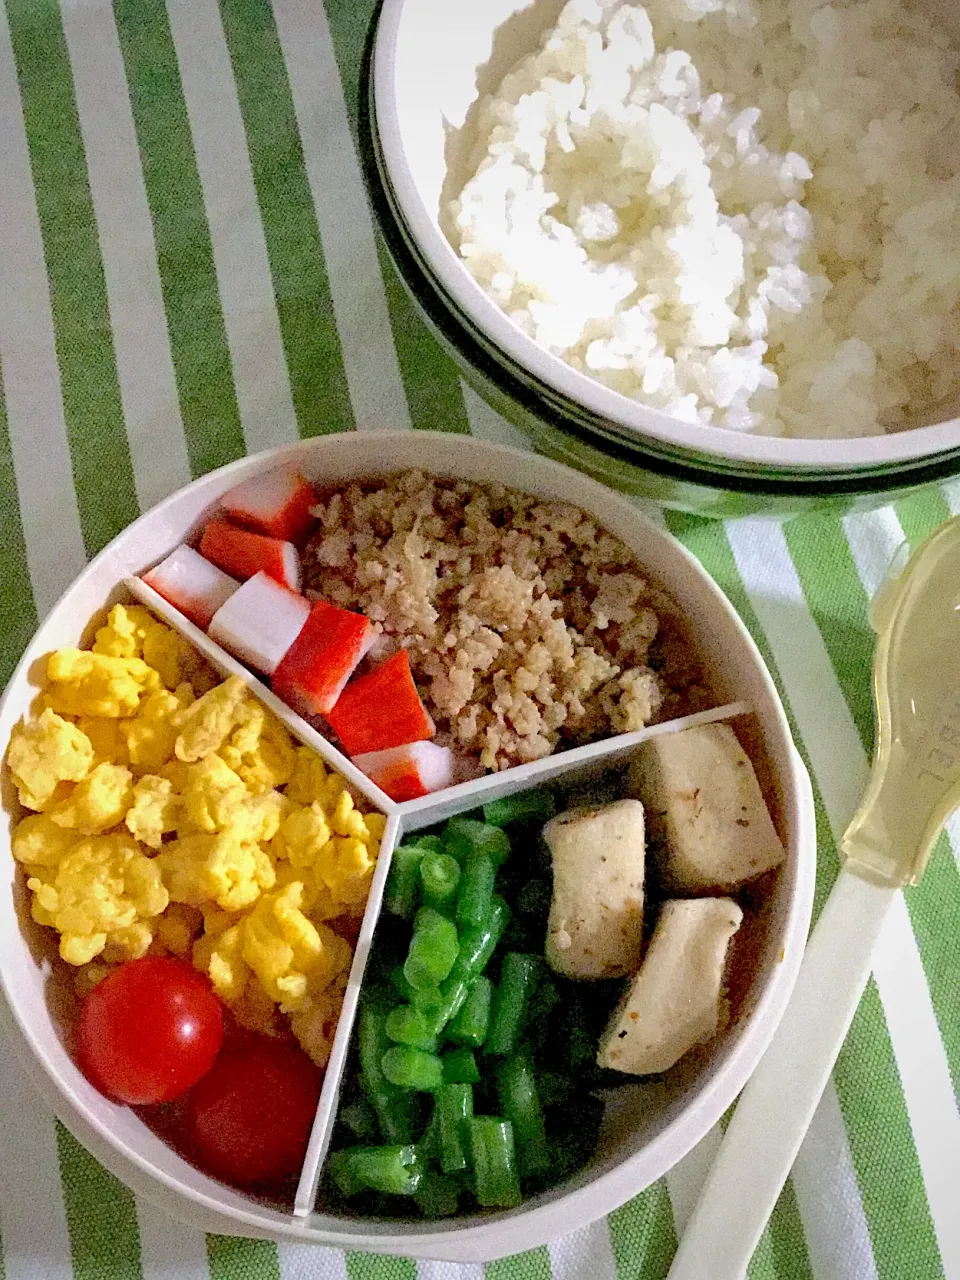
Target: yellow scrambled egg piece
179	817
156	810
80	683
104	890
97	803
44	754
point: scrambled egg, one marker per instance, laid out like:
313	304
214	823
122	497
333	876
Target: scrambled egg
172	813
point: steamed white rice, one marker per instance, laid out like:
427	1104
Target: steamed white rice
741	212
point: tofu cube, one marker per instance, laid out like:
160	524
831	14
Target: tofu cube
595	929
676	1000
705	811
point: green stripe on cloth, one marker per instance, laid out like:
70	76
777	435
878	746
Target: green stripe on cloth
532	1265
782	1251
921	513
881	1145
840	606
379	1266
642	1235
301	288
18	614
198	341
101	1216
232	1258
431	380
88	376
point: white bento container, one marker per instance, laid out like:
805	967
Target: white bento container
652	1125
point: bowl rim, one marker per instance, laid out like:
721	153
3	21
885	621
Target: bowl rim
632	418
489	1237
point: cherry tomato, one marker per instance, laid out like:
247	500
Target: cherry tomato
149	1031
249	1119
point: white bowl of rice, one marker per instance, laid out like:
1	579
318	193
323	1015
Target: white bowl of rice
719	239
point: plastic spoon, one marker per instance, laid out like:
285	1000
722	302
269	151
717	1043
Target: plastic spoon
914	786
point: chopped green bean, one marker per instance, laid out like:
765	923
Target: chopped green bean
439	874
520	1103
470	1025
361	1119
410	1068
396	1110
455	1108
393	1170
518	979
437	1196
525	806
403	882
342	1175
408	1025
433	949
419	997
476	890
429	1144
460	1067
463	836
476	948
494	1162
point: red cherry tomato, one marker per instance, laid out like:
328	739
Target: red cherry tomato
249	1119
149	1031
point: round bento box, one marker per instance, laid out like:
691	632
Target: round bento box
651	1125
428	64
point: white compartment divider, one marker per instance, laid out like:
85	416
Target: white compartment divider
227	665
402	819
494	786
330	1093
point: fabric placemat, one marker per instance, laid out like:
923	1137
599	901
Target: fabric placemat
188	271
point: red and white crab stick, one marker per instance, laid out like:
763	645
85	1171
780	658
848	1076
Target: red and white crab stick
243	554
410	771
191	584
277	504
317	666
260	622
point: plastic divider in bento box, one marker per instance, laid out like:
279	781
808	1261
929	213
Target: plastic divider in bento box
402	819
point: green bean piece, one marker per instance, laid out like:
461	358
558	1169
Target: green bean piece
403	882
460	1067
470	1025
433	949
410	1068
437	1196
508	1013
429	1144
394	1170
420	998
476	890
526	806
361	1119
408	1025
455	1107
520	1103
476	948
342	1175
543	1002
396	1110
494	1163
439	875
463	836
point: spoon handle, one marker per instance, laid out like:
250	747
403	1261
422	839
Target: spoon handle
777	1105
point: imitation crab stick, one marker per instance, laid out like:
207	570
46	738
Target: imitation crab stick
260	622
381	709
242	553
407	772
277	504
322	659
191	584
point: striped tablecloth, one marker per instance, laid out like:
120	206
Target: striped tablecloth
188	271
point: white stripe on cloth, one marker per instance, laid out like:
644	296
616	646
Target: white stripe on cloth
828	1199
449	1270
343	215
839	761
170	1250
685	1180
148	388
260	373
487	424
33	1222
586	1254
28	358
310	1262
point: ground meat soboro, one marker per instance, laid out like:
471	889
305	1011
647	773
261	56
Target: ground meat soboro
529	627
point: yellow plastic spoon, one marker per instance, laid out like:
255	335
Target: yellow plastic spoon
913	788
